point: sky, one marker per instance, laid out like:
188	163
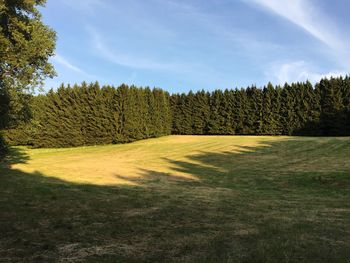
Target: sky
182	45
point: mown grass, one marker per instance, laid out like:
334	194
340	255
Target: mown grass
179	199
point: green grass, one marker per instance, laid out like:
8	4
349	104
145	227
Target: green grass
179	199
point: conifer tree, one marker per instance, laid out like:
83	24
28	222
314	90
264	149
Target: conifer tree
254	116
175	104
88	114
226	117
201	112
269	121
185	113
215	119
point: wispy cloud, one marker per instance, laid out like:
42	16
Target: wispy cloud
64	62
282	72
303	14
127	59
179	5
308	17
185	71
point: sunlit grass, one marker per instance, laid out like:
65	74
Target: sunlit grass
179	199
115	164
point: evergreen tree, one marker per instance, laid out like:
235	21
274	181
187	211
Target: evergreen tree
345	88
175	104
242	108
269	122
201	112
185	114
287	114
254	116
331	106
89	114
215	118
225	112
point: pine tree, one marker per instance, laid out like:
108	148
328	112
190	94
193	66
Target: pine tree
225	112
331	106
346	105
215	118
269	121
185	113
175	102
89	114
287	114
201	112
254	117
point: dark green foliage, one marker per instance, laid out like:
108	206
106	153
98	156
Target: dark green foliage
16	129
3	147
160	115
242	112
4	108
270	114
296	109
25	47
254	116
215	113
20	135
90	115
201	113
333	113
182	113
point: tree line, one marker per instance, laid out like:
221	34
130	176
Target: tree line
292	109
88	114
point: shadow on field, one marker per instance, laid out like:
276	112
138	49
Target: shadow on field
283	202
305	165
15	156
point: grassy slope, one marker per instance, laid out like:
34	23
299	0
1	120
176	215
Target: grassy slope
179	198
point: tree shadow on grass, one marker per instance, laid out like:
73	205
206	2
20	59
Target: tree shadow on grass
15	155
304	164
243	208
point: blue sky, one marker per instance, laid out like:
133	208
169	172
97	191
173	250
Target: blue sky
180	45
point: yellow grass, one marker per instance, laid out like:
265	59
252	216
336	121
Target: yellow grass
117	164
179	199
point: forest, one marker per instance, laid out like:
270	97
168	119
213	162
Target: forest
88	114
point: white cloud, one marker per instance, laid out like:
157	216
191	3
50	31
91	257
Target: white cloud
282	72
64	62
306	16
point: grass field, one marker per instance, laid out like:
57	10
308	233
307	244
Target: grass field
179	199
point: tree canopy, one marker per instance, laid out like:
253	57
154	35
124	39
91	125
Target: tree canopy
25	47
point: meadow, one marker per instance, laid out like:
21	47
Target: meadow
179	199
